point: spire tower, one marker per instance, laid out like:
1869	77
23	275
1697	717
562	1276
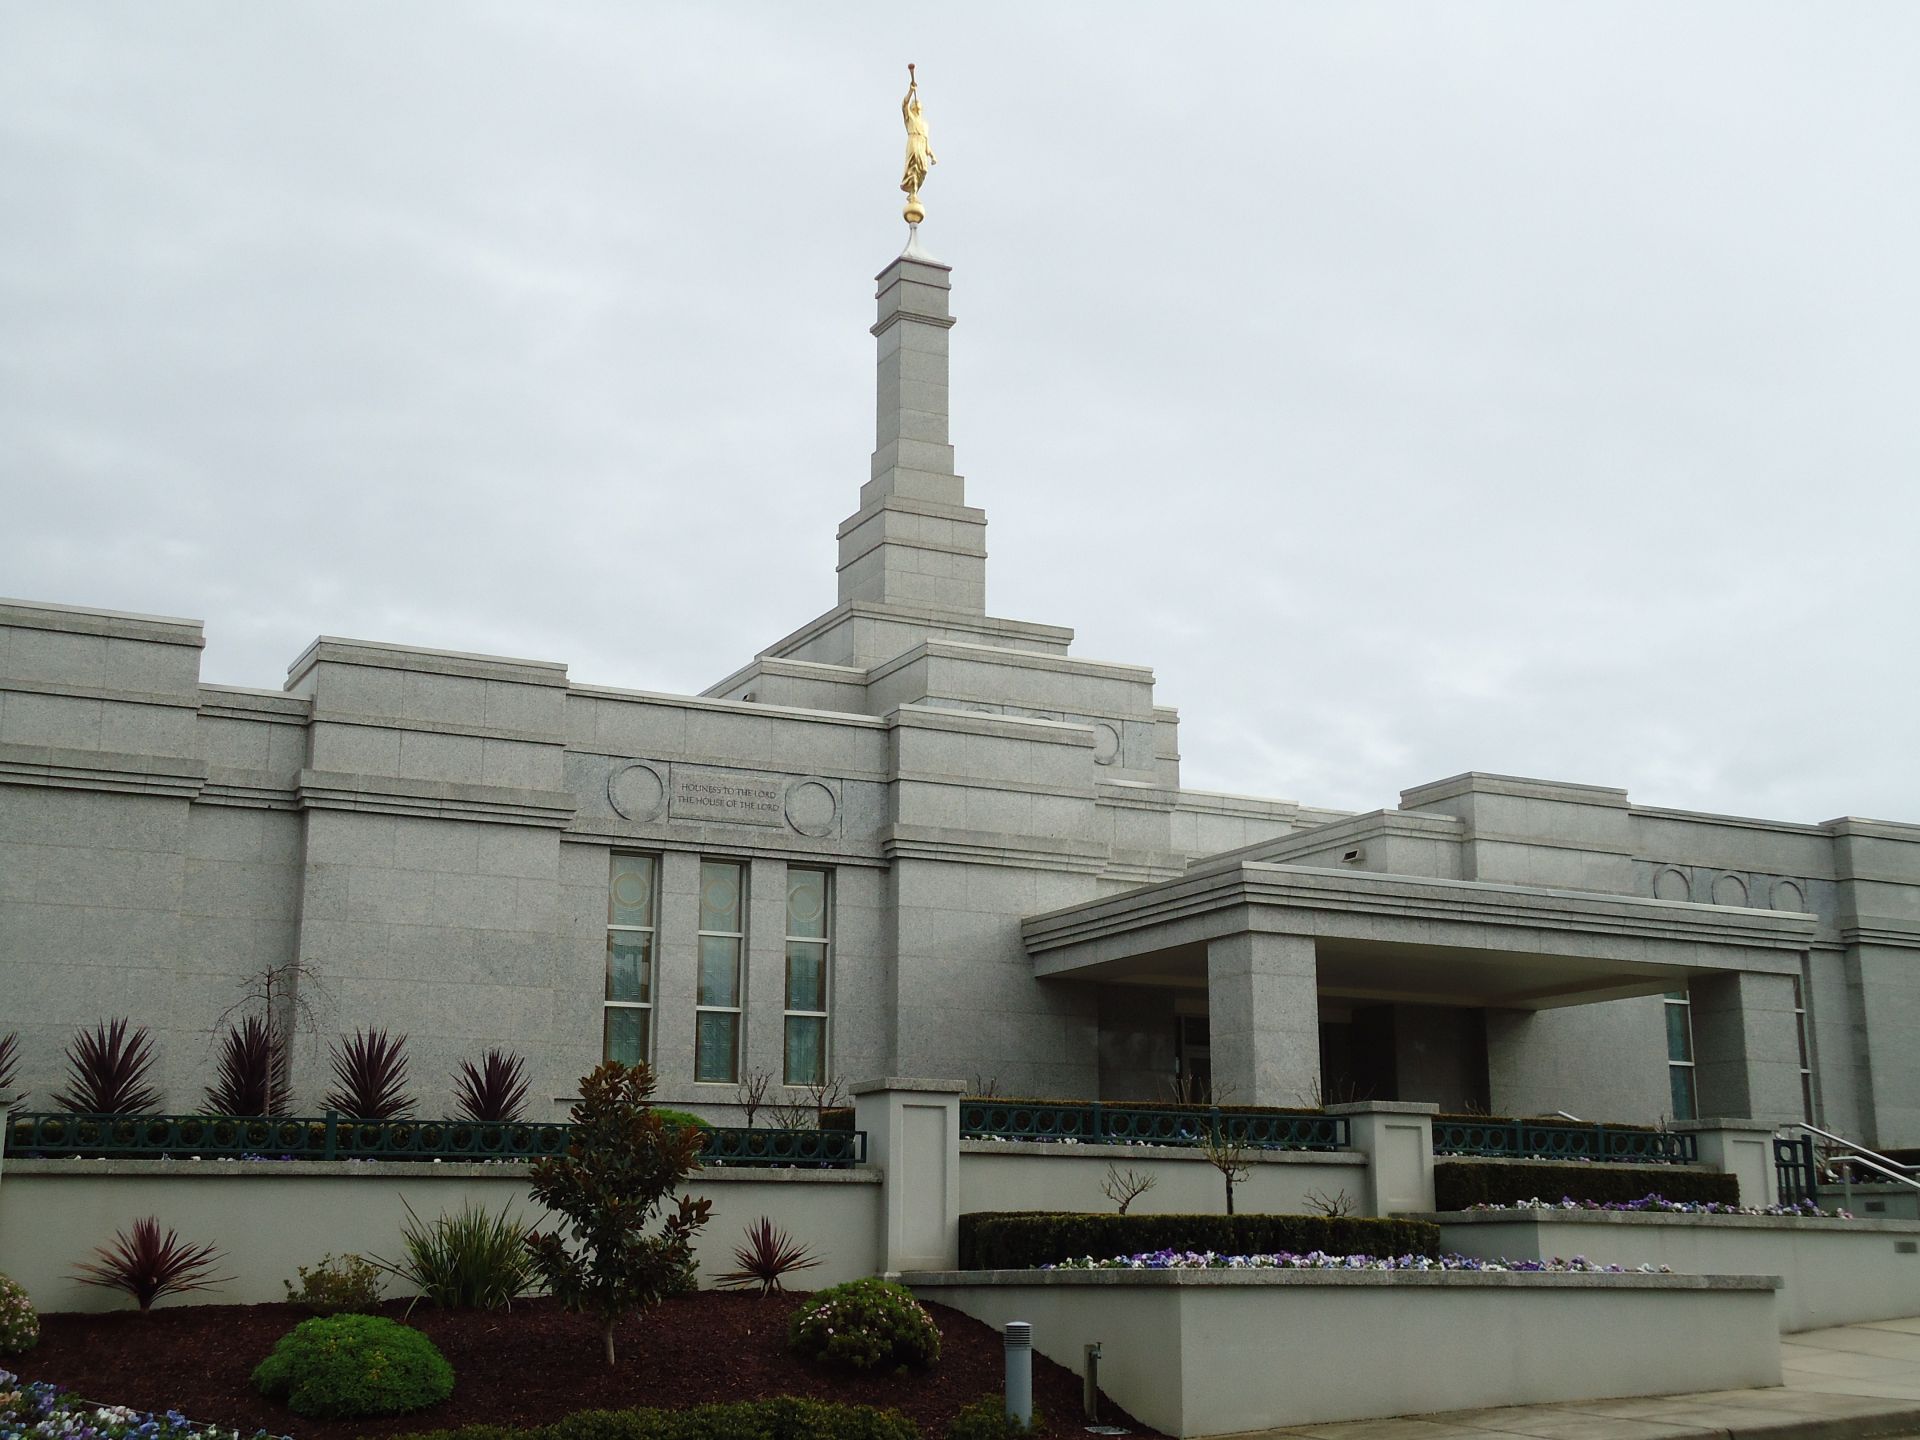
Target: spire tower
914	542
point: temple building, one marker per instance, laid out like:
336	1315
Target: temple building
908	838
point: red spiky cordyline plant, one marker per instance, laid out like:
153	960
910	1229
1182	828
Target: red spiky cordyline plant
146	1266
768	1256
253	1078
107	1070
495	1089
370	1077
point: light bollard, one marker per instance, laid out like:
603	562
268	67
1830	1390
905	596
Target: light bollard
1019	1339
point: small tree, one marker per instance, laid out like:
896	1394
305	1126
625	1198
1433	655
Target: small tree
623	1164
1123	1188
753	1093
1226	1150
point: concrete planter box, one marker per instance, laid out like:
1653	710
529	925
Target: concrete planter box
1215	1352
1833	1272
270	1217
1049	1175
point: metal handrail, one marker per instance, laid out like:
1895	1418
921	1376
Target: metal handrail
1859	1154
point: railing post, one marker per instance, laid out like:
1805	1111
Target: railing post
913	1137
332	1117
1396	1136
1741	1148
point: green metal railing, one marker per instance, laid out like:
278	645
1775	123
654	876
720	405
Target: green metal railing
1796	1170
1526	1140
1094	1123
335	1137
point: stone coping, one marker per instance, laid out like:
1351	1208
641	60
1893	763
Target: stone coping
1055	1149
1327	1279
1557	1216
79	1168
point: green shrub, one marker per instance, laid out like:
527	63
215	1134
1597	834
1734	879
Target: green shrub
353	1365
686	1119
784	1418
987	1419
865	1325
19	1325
1026	1240
1462	1184
472	1260
335	1285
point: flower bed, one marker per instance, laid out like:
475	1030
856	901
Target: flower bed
1660	1205
30	1410
1318	1260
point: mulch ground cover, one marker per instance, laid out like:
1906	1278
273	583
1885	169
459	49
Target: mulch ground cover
530	1365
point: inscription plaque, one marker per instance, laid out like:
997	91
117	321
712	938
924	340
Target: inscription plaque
736	796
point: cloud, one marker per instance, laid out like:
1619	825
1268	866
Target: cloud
1507	387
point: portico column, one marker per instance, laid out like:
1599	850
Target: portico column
1746	1043
1263	1018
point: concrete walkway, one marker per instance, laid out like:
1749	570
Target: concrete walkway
1851	1383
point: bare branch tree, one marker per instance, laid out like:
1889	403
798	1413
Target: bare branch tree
1333	1207
753	1093
808	1109
1227	1152
983	1087
1125	1187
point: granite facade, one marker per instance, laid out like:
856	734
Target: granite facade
1022	893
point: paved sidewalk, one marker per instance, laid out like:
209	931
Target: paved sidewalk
1850	1383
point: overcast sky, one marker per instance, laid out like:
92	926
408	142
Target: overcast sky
1515	387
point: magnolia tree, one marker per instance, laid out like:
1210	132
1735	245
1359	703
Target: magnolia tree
609	1259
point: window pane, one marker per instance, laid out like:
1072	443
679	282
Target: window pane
719	970
719	896
806	976
806	1050
713	1048
1681	1077
807	903
630	965
1679	1033
626	1034
630	899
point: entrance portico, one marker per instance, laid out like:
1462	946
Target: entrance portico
1274	946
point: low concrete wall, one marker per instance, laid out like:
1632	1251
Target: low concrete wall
1875	1202
1039	1175
1833	1272
1216	1352
270	1217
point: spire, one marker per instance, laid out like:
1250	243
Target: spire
914	541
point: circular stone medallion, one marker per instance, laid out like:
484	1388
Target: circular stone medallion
811	807
639	792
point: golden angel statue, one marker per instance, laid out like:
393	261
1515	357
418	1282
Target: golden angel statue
920	157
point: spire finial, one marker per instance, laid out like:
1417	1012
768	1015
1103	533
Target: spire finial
920	157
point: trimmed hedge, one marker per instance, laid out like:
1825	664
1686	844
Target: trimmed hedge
1028	1239
785	1418
1462	1184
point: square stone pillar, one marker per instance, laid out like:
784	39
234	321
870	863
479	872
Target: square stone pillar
1396	1136
676	964
1742	1149
1263	1018
763	1037
913	1136
1746	1043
